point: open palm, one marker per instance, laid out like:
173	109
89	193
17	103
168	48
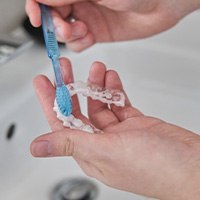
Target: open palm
134	152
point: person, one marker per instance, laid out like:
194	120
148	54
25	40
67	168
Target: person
134	152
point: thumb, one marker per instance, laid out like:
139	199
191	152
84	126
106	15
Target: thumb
78	144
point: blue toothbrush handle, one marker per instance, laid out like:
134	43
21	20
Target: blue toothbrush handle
57	72
63	97
49	32
47	23
51	42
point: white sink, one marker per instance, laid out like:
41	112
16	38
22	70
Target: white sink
161	78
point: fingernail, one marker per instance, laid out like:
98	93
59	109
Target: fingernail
41	149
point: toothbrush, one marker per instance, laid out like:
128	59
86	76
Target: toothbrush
63	97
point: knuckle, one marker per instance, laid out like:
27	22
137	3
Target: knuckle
69	147
130	112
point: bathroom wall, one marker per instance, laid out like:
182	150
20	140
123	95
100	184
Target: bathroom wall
11	14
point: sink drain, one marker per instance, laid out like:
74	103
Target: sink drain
75	189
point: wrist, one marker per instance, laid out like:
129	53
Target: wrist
188	181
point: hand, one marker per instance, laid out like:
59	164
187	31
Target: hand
108	20
134	152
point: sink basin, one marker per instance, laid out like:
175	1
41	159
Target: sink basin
161	79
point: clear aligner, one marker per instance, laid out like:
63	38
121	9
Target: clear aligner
107	96
97	93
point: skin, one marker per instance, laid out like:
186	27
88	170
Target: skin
110	20
134	152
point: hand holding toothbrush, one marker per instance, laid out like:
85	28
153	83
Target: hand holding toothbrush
134	152
110	20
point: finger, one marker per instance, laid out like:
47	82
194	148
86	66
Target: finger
99	113
46	95
113	81
33	11
69	142
68	78
81	44
62	28
68	32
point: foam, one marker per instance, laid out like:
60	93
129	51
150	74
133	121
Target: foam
72	122
107	96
